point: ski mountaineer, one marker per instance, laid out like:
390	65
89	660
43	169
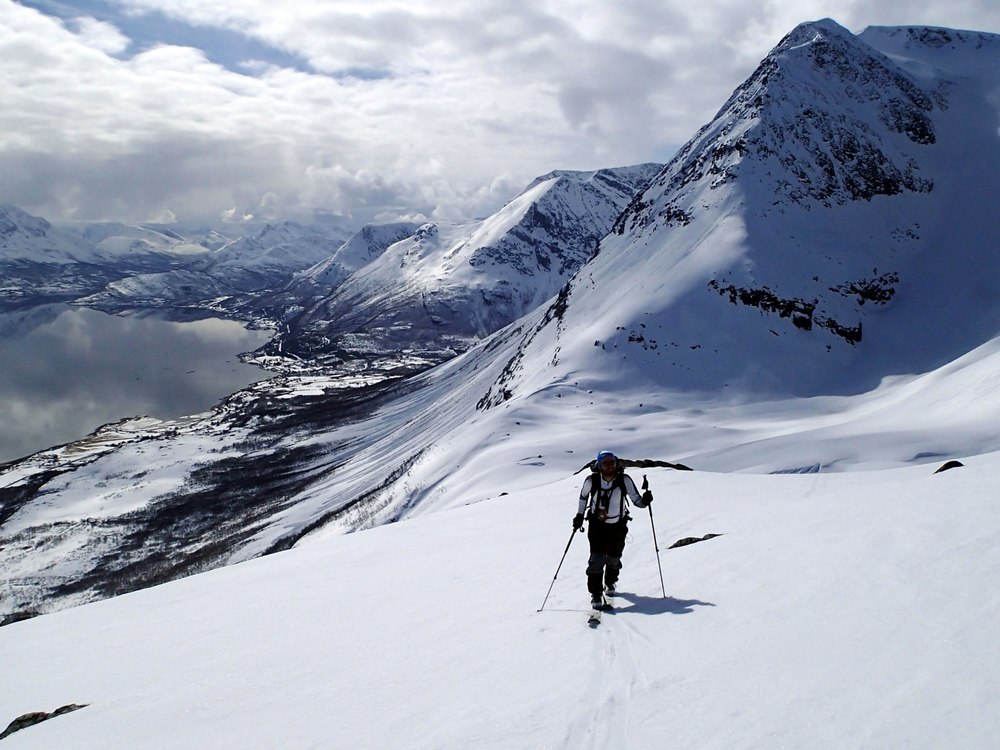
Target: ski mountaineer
604	497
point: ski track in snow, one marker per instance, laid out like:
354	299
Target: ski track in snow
615	676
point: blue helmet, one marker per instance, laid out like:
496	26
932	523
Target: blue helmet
605	454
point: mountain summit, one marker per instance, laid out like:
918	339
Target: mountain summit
831	221
31	239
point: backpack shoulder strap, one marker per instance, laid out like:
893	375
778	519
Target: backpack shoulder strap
595	486
620	483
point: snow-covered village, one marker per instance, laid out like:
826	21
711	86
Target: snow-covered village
695	448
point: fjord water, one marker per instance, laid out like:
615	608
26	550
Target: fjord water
64	371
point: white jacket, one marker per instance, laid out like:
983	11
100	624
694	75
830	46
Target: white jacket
615	500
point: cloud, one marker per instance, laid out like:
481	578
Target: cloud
394	108
101	36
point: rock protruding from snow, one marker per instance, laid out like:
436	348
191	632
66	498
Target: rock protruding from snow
37	717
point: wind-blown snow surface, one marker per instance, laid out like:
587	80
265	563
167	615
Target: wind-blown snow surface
846	610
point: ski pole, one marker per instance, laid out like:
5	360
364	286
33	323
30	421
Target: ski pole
560	567
649	507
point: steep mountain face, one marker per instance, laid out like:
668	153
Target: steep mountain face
835	215
446	286
310	286
361	249
277	248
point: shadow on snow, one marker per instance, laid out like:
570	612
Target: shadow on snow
646	605
655	605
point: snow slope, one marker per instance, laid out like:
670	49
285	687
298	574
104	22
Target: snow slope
845	610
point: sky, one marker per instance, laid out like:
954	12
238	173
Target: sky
179	111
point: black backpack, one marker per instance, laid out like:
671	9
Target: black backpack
598	506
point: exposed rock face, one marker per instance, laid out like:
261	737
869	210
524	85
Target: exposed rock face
948	465
18	617
802	313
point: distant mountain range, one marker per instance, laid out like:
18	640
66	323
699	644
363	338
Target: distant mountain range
436	288
830	230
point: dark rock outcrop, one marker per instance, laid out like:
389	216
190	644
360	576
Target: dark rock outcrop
37	717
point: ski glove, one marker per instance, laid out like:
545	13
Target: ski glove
578	521
647	497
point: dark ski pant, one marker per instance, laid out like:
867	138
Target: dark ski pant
607	542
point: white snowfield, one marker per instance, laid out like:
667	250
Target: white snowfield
852	609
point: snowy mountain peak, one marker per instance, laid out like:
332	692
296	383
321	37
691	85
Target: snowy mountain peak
273	234
923	38
811	236
24	237
14	219
825	119
362	248
426	232
115	241
810	32
621	178
452	284
285	245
